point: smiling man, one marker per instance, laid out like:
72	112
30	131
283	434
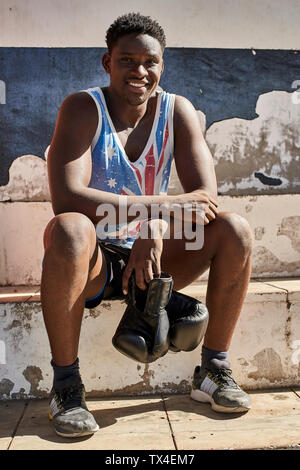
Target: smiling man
113	148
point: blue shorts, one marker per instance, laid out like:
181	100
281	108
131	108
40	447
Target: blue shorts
116	258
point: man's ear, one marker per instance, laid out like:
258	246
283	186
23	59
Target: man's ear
162	67
106	62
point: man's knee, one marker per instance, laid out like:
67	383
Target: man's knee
236	232
69	233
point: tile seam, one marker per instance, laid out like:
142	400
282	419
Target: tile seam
169	422
297	393
272	285
17	425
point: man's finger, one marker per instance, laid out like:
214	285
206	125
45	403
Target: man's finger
148	273
210	214
125	278
139	279
156	269
211	199
155	258
214	209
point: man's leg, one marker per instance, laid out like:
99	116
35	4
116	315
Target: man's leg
227	251
73	270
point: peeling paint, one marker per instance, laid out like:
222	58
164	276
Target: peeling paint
144	386
261	154
287	328
23	311
141	387
266	263
21	395
6	387
96	312
268	364
14	324
290	227
34	375
22	316
259	233
28	180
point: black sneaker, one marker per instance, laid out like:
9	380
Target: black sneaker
68	410
218	387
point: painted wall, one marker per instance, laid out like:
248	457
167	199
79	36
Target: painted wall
241	77
252	129
224	60
264	24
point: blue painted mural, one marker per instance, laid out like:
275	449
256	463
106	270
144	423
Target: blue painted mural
223	83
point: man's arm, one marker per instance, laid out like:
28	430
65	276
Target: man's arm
70	165
193	160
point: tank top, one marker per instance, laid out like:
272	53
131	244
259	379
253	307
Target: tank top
112	171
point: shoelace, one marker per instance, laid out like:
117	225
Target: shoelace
224	377
71	396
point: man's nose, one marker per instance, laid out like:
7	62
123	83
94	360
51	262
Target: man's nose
139	70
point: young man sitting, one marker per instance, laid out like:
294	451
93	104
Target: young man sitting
114	146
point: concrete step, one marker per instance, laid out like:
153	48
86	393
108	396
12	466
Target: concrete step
265	350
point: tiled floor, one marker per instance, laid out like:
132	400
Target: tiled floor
160	423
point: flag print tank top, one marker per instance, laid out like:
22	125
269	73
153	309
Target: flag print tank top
112	171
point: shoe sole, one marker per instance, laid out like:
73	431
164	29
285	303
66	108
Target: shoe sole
82	434
203	397
75	434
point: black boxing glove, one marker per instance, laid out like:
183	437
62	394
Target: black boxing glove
143	332
188	322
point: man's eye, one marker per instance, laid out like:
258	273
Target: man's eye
126	60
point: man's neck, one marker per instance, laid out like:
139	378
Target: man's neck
122	113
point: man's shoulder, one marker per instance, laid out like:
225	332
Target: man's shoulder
79	99
182	103
79	106
184	111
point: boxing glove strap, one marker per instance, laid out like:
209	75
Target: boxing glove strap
159	293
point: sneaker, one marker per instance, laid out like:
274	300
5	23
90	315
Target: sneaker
68	410
217	386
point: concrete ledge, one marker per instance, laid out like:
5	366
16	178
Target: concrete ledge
19	294
265	351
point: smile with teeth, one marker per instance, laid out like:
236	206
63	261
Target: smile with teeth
137	84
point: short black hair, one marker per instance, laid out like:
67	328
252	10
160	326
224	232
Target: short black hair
134	23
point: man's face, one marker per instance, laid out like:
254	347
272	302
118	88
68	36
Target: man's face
135	66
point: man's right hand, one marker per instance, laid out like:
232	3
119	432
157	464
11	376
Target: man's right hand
197	206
